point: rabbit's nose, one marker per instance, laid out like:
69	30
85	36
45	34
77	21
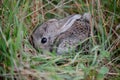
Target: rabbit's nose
31	40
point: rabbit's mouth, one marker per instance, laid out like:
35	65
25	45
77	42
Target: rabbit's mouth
31	41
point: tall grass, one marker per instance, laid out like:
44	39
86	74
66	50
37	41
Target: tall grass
18	60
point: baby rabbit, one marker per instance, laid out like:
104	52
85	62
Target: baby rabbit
62	35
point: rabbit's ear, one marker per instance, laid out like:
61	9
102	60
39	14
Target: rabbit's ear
69	23
87	16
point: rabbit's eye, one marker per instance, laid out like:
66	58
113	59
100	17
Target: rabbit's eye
44	40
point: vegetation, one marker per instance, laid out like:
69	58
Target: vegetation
19	61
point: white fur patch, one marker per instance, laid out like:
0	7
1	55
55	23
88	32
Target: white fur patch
69	23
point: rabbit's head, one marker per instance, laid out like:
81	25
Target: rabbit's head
56	34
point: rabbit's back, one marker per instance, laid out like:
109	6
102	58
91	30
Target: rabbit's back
70	39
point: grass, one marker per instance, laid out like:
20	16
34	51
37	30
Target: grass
18	60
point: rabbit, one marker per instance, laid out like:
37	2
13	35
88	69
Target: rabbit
61	35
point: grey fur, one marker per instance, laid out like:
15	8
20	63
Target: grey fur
62	35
